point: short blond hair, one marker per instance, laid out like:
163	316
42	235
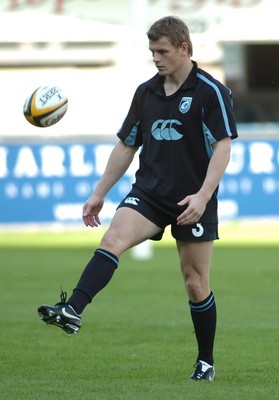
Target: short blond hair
172	28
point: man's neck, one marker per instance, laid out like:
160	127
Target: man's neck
173	82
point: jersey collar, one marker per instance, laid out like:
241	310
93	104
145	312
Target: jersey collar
157	82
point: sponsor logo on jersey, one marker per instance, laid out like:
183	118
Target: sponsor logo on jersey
198	231
132	200
185	104
165	129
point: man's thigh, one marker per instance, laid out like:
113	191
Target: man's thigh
195	260
195	255
127	229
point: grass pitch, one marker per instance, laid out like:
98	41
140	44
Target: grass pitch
137	338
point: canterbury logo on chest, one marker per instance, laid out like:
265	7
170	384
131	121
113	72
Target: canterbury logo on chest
168	129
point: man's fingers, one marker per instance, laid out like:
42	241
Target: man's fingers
91	220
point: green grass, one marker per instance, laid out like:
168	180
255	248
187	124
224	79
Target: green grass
137	339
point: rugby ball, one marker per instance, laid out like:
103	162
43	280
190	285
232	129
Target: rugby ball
45	106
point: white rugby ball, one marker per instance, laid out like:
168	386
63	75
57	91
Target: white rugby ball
45	106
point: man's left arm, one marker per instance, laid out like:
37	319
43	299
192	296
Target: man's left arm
196	203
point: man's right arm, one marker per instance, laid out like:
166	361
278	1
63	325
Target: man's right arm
118	163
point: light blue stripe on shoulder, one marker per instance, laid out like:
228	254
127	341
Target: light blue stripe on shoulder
221	101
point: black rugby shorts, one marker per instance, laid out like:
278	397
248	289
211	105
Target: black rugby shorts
199	232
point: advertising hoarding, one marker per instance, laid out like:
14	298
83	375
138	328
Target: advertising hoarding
49	182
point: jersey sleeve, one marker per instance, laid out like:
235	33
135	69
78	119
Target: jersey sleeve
130	132
218	117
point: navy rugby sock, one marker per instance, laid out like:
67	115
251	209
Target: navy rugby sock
94	278
204	317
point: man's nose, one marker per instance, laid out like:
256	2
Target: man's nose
156	57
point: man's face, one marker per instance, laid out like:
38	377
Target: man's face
167	58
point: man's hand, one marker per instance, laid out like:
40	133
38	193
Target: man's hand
90	211
195	205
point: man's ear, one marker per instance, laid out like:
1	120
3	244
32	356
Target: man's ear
185	48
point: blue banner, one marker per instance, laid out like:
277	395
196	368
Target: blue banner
250	186
49	182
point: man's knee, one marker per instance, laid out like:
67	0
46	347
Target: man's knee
197	287
112	241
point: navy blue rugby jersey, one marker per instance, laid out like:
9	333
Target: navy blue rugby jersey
176	133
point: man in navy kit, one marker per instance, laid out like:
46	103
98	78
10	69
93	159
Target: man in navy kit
182	120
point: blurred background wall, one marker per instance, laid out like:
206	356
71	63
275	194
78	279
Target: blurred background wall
97	52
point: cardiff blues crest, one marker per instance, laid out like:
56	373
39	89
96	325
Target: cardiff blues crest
185	104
